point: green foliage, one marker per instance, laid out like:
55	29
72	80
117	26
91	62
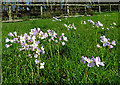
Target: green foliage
25	18
90	11
46	15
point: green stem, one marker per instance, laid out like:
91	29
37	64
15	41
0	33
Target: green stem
96	36
58	59
86	75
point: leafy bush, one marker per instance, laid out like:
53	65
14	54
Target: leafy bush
90	11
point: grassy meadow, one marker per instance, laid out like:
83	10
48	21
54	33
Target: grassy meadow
63	63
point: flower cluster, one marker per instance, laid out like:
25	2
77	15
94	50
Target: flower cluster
53	37
106	42
83	22
55	18
112	25
97	24
70	26
34	41
107	15
41	64
91	62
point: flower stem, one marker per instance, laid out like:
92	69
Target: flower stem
86	75
58	59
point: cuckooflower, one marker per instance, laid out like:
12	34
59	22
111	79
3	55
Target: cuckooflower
113	42
63	43
7	40
42	65
10	34
35	55
97	61
98	46
65	38
7	45
84	59
90	62
37	61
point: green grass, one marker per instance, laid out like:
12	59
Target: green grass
16	68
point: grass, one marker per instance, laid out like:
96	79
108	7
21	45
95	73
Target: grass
59	60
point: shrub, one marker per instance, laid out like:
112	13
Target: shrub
90	11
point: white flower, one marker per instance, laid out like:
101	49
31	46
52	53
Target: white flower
62	34
98	46
35	55
10	34
38	29
63	43
11	41
64	38
22	39
42	65
42	48
7	40
7	45
100	23
15	33
37	61
114	23
33	38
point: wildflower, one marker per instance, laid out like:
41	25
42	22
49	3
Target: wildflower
38	51
7	45
90	62
43	52
37	61
38	29
62	34
56	41
114	23
20	49
81	22
113	42
102	28
63	43
65	25
22	39
98	46
84	22
60	39
42	65
100	24
107	28
75	28
10	34
83	59
15	33
65	38
7	40
110	46
35	55
33	38
97	61
11	41
15	39
42	48
104	41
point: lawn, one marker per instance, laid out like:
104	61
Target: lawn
63	62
